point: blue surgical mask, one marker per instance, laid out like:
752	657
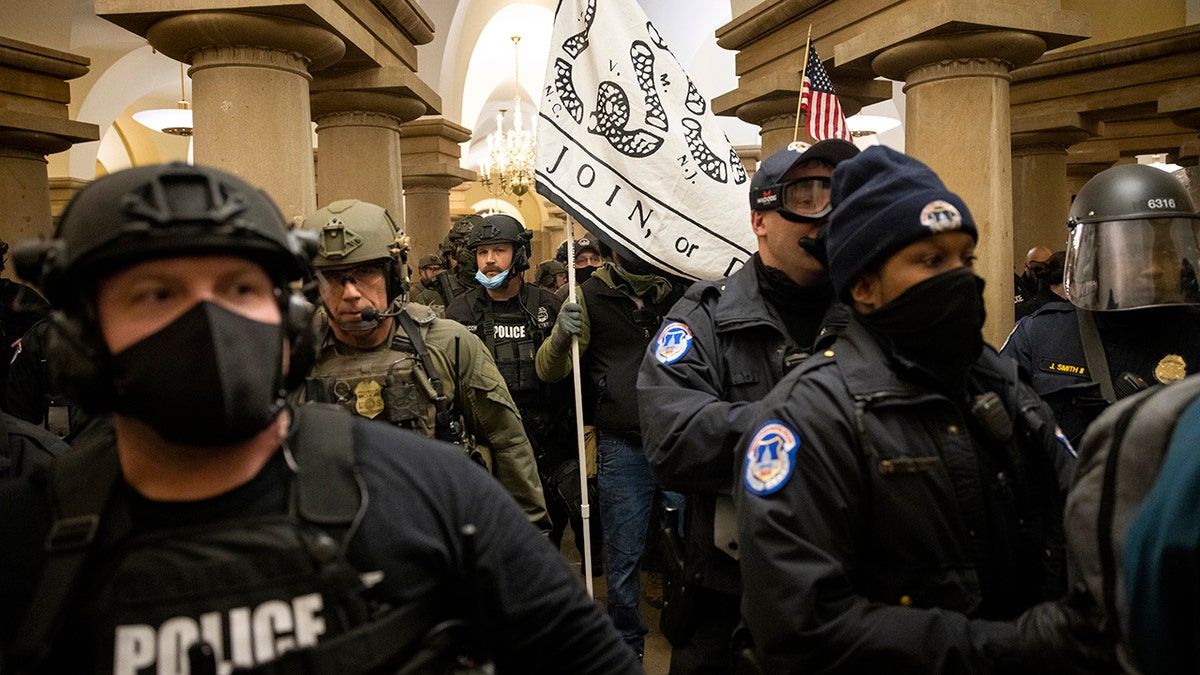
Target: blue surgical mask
495	282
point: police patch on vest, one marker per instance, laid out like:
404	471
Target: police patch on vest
771	457
543	315
1062	368
241	637
368	398
1172	368
674	340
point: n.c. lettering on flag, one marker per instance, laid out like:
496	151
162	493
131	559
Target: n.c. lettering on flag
628	146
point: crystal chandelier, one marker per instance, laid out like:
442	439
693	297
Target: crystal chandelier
509	165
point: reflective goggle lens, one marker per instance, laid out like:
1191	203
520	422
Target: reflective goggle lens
807	196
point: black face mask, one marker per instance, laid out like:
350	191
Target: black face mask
210	377
583	273
937	325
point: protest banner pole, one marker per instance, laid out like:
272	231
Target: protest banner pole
581	443
800	98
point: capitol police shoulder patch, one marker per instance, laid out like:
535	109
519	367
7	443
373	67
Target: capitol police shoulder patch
770	457
674	340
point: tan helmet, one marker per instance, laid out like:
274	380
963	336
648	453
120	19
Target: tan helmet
352	232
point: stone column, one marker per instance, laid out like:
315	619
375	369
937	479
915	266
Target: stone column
431	157
958	123
250	96
1041	196
358	136
34	123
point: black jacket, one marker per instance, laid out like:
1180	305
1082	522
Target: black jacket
895	533
695	407
1158	345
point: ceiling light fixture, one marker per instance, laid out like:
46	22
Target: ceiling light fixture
509	165
175	121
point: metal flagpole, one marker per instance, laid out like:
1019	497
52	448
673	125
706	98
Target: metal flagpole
803	72
584	506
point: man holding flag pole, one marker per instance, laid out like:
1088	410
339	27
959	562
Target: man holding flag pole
629	147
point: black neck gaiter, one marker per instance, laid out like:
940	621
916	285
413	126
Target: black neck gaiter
802	309
936	326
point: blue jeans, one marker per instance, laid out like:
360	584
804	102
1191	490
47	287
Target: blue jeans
627	495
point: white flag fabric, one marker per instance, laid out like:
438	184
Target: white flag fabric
629	147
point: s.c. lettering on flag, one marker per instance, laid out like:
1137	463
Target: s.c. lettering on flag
629	147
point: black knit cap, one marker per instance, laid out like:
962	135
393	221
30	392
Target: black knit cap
883	201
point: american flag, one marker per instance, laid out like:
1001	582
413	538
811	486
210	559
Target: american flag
825	118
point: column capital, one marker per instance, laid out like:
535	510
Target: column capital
182	35
368	104
980	53
432	154
34	79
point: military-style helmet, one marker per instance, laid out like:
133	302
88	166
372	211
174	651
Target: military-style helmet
429	260
547	270
159	211
1133	242
498	228
149	212
352	232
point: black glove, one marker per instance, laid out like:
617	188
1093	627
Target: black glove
570	322
1066	637
816	248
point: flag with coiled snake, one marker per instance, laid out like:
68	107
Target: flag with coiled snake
628	145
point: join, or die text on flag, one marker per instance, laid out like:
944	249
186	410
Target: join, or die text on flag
629	147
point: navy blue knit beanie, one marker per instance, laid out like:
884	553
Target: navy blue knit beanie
883	201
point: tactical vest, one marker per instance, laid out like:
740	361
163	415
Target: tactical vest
513	336
397	385
219	597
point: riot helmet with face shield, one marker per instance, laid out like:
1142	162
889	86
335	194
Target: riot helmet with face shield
1134	242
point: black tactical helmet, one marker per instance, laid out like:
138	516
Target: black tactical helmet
498	228
148	212
1133	241
159	211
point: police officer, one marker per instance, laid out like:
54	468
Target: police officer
550	274
20	308
220	529
513	318
900	501
385	359
620	308
721	349
422	290
458	269
1133	320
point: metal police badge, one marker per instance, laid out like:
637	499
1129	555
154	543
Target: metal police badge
368	398
1172	368
674	340
771	457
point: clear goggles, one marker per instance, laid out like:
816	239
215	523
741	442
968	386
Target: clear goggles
806	197
1129	264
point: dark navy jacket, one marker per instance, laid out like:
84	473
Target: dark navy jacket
1159	345
695	407
894	532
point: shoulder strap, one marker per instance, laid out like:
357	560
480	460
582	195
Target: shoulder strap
489	322
447	428
81	484
330	491
1093	351
413	332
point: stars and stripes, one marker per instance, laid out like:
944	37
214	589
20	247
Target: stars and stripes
825	117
